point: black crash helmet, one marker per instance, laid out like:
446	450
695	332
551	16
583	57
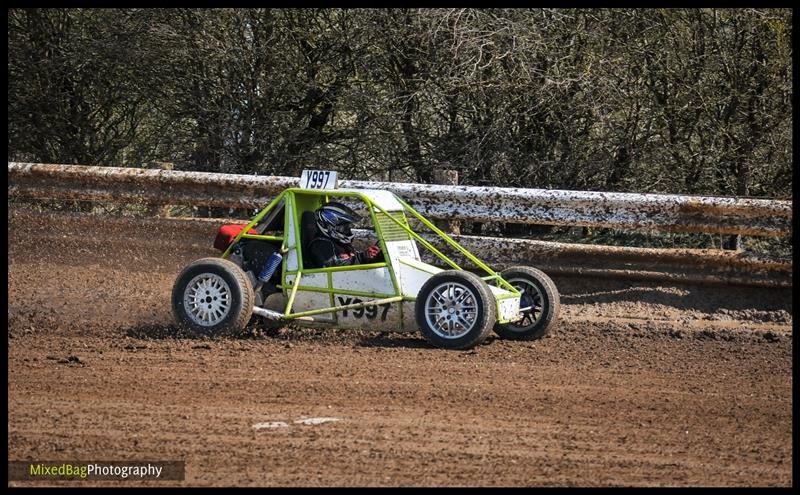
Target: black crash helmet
335	221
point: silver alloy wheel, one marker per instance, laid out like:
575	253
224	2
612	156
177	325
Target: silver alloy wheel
207	299
451	310
531	297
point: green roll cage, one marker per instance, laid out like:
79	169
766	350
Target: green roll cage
289	196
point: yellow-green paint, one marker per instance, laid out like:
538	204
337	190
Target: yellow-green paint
420	239
382	242
298	245
457	246
260	237
252	223
295	285
330	289
297	199
346	292
365	266
285	244
376	302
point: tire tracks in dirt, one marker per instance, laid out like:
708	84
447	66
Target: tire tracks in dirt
641	384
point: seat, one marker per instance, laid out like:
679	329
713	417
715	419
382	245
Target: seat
308	230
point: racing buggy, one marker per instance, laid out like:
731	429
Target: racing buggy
264	270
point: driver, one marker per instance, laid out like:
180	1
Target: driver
332	244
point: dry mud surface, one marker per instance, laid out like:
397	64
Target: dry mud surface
643	383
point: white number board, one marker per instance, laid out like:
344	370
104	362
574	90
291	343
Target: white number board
318	179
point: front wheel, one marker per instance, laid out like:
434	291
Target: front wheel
212	297
539	304
455	310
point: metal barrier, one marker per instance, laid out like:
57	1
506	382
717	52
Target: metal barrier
651	212
662	212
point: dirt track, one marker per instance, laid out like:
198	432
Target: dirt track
641	384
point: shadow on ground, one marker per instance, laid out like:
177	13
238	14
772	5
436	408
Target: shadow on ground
288	334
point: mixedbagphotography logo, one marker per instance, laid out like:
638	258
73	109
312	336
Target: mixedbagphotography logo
96	470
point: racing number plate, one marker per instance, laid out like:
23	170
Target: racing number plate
318	179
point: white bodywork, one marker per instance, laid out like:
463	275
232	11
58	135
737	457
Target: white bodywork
342	286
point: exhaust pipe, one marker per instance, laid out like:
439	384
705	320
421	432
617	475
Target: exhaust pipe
267	313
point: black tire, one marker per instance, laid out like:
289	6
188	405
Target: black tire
229	296
476	320
540	291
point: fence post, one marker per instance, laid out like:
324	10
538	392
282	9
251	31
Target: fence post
733	243
447	177
156	210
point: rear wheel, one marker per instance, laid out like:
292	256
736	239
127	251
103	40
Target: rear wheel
212	297
455	310
539	303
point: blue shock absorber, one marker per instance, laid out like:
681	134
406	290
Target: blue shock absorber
270	266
